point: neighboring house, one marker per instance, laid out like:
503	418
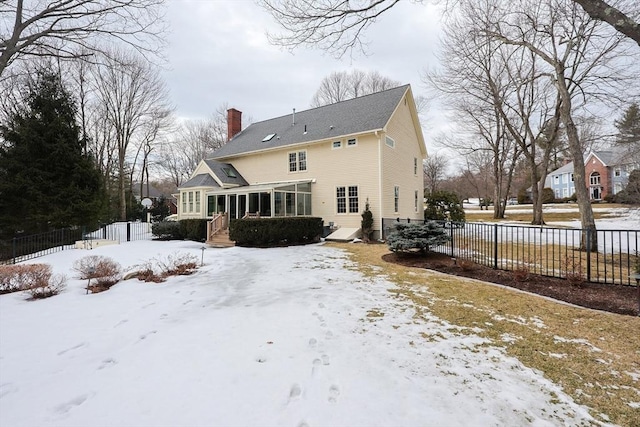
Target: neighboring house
561	181
152	193
326	162
606	173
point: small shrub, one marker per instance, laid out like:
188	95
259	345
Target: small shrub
417	237
45	289
157	270
35	279
9	278
548	196
148	275
104	271
167	230
366	225
194	229
466	264
178	265
521	273
573	271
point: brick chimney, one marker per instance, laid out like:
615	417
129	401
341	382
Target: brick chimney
234	122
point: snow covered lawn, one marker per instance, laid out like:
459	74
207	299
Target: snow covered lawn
275	337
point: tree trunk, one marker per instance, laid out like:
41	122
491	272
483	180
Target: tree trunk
587	220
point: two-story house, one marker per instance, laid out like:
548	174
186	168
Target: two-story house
326	162
561	181
606	173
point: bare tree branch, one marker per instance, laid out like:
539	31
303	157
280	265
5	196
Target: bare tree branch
602	11
336	26
77	28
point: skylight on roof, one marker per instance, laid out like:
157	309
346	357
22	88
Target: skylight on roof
230	173
268	137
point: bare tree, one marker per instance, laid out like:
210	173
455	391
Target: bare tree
134	99
572	56
339	26
196	140
342	85
77	28
435	171
474	83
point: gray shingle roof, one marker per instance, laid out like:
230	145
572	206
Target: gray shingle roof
226	172
201	180
366	113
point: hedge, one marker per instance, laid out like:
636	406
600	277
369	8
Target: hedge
266	232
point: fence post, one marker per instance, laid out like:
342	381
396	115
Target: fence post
104	231
128	231
495	246
588	254
14	250
452	255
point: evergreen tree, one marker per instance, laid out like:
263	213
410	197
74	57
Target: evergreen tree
444	206
629	126
628	137
46	181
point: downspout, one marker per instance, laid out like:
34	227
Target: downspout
380	183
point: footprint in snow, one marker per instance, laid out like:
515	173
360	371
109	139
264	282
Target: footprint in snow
63	408
295	392
334	392
164	315
316	366
7	388
321	305
326	360
107	362
75	347
122	322
149	305
329	335
187	302
144	336
313	343
303	424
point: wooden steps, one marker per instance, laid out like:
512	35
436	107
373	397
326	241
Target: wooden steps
221	240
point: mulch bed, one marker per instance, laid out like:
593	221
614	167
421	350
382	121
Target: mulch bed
612	298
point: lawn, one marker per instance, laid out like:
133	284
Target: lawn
594	356
306	336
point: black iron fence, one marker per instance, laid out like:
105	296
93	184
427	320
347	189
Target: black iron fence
22	248
548	251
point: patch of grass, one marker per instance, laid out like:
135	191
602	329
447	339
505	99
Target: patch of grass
594	356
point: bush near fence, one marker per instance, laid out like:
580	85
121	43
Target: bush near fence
265	232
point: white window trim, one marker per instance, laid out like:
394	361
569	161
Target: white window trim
351	145
393	142
347	199
297	161
333	147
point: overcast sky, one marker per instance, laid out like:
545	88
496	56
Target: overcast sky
218	52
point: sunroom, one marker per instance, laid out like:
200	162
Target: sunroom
275	199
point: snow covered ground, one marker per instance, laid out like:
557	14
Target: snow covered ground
257	337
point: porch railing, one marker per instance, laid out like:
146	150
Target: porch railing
218	222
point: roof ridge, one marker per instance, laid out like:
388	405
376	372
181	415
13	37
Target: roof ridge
335	103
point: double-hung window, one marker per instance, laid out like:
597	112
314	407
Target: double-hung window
347	199
298	161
